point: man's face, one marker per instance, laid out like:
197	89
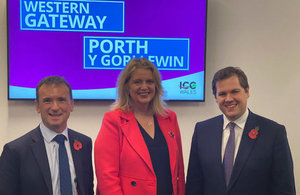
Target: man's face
231	97
54	106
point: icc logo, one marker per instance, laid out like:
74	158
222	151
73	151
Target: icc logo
188	85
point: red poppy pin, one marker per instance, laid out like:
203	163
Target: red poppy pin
77	145
253	133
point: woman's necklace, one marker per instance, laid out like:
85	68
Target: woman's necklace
149	123
144	119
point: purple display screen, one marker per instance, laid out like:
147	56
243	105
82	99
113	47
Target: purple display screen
88	42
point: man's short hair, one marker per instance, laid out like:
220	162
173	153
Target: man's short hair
56	80
227	72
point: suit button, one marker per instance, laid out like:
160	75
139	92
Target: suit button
133	183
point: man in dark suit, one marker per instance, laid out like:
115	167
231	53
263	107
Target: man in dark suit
30	165
239	152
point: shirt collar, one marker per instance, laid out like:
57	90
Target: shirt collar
49	134
240	122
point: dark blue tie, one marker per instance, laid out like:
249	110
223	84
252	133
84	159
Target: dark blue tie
229	153
64	168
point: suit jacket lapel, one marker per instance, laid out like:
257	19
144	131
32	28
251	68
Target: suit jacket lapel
39	151
245	149
212	142
169	133
76	155
216	146
132	132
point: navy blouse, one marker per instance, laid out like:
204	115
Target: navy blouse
159	153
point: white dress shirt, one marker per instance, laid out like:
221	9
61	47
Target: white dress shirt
52	153
238	129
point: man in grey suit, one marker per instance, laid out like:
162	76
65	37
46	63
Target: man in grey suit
38	163
239	152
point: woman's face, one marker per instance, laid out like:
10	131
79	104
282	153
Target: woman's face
142	87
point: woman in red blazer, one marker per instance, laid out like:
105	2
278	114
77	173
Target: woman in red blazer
138	149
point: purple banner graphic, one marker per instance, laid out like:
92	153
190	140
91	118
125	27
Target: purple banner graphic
38	52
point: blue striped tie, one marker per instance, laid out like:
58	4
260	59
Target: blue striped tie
64	168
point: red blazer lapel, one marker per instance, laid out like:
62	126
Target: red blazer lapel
132	132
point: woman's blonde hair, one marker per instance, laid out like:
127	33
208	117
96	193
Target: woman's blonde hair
124	101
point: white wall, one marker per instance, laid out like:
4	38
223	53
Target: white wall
262	37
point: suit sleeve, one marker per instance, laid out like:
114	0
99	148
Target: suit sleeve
194	174
107	157
282	172
181	180
9	175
